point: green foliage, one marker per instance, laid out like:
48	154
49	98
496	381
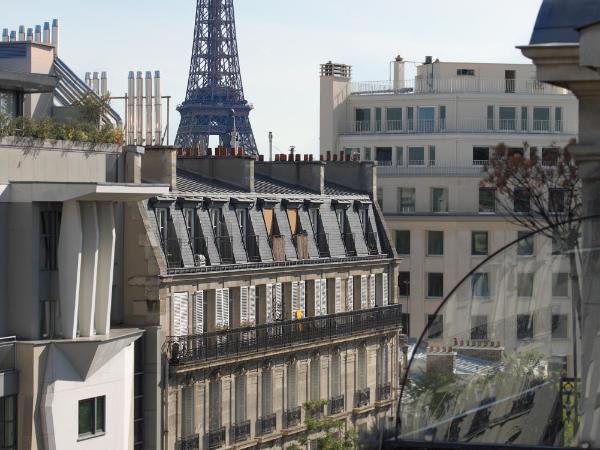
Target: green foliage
335	437
50	129
91	108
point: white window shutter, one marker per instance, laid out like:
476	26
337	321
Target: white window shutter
199	312
252	305
324	297
244	307
180	314
188	400
350	294
338	295
278	307
372	291
302	295
219	320
269	302
226	307
363	291
295	299
317	298
385	290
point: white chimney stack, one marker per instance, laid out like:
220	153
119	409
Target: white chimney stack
96	84
46	32
399	73
88	79
157	109
5	35
21	33
139	103
103	84
38	33
55	35
29	34
148	108
131	108
13	36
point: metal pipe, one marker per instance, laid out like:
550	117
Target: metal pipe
103	84
55	35
168	118
96	84
5	35
46	32
157	109
88	79
29	34
131	108
21	33
139	102
38	33
13	36
148	108
270	146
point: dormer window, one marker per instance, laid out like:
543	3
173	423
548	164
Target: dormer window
222	238
371	238
168	237
249	239
345	230
314	214
299	235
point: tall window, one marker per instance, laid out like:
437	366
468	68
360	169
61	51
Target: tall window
8	422
410	116
399	156
432	155
336	374
49	232
404	284
541	119
240	398
363	119
435	285
557	200
524	326
92	416
368	154
525	247
416	156
267	391
522	201
560	326
394	119
214	405
479	327
362	368
162	219
382	365
490	117
442	117
525	284
508	118
435	329
406	199
560	285
403	242
524	118
439	200
479	243
426	119
480	285
487	200
188	409
481	156
435	243
558	119
292	383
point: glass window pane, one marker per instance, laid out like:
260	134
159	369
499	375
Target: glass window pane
481	285
541	119
479	327
560	326
508	118
435	243
406	198
439	200
435	284
404	284
525	246
403	242
525	284
479	243
416	156
522	203
436	326
487	200
86	416
560	285
100	414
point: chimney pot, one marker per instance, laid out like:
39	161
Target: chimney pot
291	157
322	157
310	157
328	155
335	157
277	157
261	158
298	158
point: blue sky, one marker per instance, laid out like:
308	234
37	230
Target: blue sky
281	44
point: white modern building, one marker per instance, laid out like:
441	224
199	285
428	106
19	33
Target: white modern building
431	138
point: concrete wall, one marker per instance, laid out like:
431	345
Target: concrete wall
159	165
333	110
309	175
358	176
233	170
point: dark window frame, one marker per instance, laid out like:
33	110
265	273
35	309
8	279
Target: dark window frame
435	293
97	418
474	243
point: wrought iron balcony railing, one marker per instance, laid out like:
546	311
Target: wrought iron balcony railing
293	417
316	412
240	431
267	424
172	250
7	354
227	343
362	397
336	405
384	392
349	245
216	438
225	248
189	443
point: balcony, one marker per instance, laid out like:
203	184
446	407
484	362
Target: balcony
316	412
252	248
384	392
184	350
216	438
463	85
301	243
465	125
225	248
348	240
172	250
189	443
240	431
7	354
277	247
362	397
267	424
293	417
336	405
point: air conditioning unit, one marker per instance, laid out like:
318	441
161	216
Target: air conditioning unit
199	260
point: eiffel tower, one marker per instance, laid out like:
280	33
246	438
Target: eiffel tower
214	104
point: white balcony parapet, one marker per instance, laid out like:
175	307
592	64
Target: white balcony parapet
467	85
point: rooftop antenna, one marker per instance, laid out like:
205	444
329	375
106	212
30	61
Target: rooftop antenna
270	146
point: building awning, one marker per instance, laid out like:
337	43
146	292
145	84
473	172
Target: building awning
24	191
29	83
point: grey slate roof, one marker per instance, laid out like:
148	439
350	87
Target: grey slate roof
559	20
